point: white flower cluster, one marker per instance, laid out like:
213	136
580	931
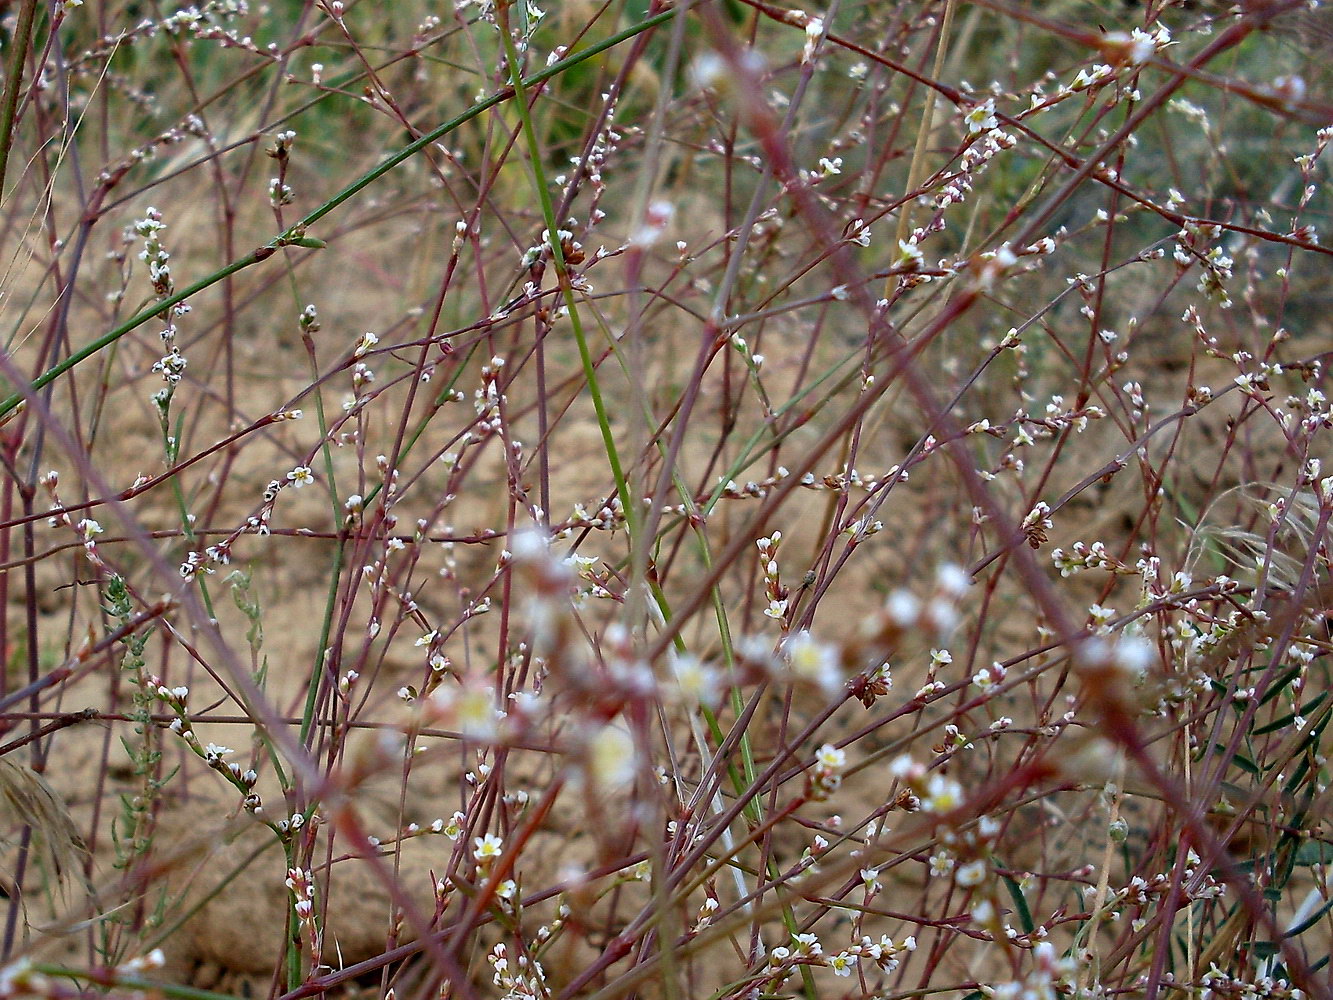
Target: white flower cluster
302	887
1141	896
86	529
807	950
524	979
1221	985
933	792
213	754
825	776
171	366
1048	979
1082	556
774	590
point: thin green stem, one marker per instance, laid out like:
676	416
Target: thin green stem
562	275
10	402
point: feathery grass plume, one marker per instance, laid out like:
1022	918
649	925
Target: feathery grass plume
1245	550
27	800
1272	561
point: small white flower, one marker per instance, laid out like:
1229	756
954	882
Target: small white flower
831	758
807	944
454	828
910	257
842	963
487	848
612	758
698	682
812	660
367	341
971	874
942	794
301	476
531	545
953	580
981	117
814	30
473	711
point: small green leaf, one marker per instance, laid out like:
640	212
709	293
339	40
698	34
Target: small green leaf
1020	904
1284	721
1243	762
1264	949
1309	921
1279	685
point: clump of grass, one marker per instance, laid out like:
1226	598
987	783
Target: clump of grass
717	500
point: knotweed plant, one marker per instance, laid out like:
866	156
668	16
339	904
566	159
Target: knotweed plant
665	498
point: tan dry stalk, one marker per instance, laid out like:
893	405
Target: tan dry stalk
917	170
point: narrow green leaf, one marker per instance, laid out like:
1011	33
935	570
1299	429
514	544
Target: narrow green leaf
1244	763
1264	949
1279	685
1310	921
1305	710
1020	904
